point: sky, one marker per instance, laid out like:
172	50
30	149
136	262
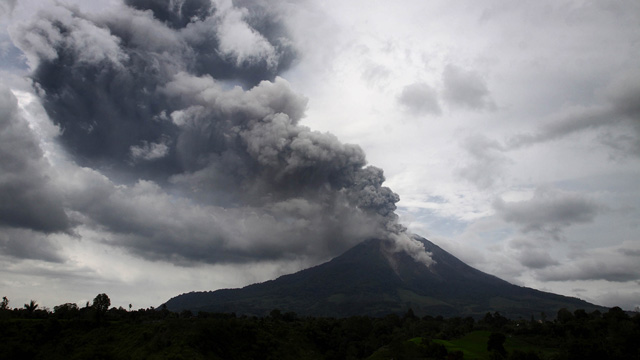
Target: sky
150	148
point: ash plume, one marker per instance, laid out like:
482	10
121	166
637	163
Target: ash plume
189	145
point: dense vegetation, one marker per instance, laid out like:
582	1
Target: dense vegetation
96	331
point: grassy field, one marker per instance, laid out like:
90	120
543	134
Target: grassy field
474	345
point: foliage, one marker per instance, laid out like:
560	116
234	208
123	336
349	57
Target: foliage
496	344
71	332
101	303
31	306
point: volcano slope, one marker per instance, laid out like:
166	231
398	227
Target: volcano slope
369	279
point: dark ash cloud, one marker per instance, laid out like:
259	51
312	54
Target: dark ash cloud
419	98
175	14
548	212
182	101
466	89
101	73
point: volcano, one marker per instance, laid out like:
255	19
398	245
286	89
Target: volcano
369	279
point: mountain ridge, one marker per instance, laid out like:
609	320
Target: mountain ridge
370	279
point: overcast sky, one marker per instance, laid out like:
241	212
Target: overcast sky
150	148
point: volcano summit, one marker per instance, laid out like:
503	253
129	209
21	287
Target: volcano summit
370	279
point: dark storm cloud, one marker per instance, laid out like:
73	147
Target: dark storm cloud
27	244
466	89
420	98
217	173
548	212
28	199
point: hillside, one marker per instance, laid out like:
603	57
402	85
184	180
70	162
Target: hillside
369	280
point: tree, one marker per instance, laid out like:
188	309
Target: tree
564	316
4	305
496	343
67	310
31	306
100	305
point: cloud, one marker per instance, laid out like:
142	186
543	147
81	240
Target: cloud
627	299
176	14
100	74
531	254
374	73
419	98
153	224
7	6
487	164
241	42
186	146
613	264
149	151
548	212
623	94
28	199
569	120
615	114
466	89
19	243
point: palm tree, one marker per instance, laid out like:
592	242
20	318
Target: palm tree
31	306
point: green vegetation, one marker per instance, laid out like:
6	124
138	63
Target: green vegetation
97	332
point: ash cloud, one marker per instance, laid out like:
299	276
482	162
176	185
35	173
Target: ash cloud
176	14
101	73
182	101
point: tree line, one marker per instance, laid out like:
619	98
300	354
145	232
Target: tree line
98	331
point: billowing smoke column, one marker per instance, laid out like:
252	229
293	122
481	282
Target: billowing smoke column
155	95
